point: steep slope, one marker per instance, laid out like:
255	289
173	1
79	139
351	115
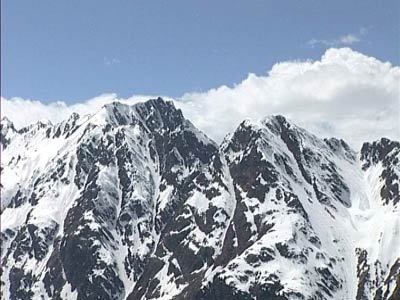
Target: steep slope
134	202
377	219
85	200
309	217
288	189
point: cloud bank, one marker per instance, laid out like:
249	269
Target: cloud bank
344	94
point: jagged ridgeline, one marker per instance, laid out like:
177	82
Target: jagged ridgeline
135	203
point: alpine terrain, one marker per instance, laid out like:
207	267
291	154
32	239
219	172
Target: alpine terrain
134	203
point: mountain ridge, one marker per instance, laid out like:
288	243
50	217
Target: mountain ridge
134	202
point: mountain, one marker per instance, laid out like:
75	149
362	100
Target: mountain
134	202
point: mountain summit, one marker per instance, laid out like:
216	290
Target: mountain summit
134	202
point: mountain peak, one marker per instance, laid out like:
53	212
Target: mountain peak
277	120
154	113
73	117
7	123
7	130
377	151
158	112
134	202
5	120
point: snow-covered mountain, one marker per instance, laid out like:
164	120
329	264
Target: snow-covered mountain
134	203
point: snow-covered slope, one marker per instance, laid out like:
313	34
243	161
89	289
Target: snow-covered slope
134	202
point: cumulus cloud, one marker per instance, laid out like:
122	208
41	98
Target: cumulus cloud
344	94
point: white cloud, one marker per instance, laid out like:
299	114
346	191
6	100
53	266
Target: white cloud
344	94
349	39
111	61
344	40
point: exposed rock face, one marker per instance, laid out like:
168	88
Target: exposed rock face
385	153
135	203
7	132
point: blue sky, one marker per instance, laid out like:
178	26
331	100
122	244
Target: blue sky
74	50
